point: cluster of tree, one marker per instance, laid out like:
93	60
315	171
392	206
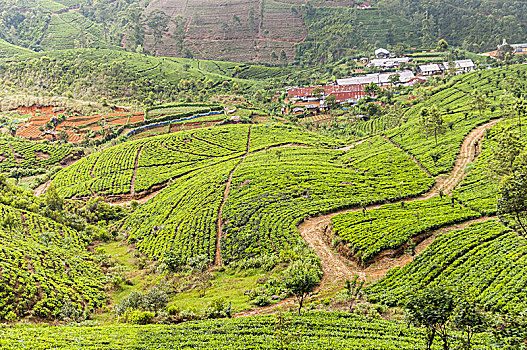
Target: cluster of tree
334	33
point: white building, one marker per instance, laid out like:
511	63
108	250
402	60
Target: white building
381	79
462	66
430	69
387	63
382	53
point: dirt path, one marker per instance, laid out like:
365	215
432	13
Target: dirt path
337	268
40	190
219	221
467	155
136	163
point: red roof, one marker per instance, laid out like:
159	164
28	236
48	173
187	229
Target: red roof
328	89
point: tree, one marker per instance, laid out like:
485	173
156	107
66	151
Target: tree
512	198
479	101
502	162
372	89
431	308
331	102
469	320
353	290
317	92
158	21
442	45
283	56
301	278
53	199
274	56
394	80
432	121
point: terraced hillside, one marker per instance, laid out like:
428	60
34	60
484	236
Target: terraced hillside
16	153
486	259
221	187
455	102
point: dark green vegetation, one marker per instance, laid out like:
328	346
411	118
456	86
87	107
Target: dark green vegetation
486	260
392	225
320	330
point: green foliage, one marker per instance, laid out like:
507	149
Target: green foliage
499	150
44	265
19	153
392	225
485	258
301	278
154	300
320	330
271	192
513	197
431	308
453	100
138	317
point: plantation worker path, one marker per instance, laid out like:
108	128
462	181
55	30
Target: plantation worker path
318	233
219	222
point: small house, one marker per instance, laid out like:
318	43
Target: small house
382	53
430	69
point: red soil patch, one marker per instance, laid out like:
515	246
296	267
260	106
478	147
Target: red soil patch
39	109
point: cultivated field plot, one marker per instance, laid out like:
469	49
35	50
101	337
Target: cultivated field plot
237	30
263	179
454	102
479	189
316	330
15	153
67	28
373	231
486	259
272	192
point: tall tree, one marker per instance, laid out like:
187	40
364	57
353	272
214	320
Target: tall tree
479	101
513	196
431	308
158	22
432	121
469	320
301	278
502	162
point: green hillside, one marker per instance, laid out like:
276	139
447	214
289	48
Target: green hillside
8	50
486	260
308	31
44	263
128	77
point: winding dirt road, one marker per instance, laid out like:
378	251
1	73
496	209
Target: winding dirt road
316	231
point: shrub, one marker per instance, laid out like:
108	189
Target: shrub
139	317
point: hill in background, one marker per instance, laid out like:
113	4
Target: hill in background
273	31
